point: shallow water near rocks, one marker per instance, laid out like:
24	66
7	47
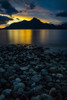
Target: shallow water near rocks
37	73
36	69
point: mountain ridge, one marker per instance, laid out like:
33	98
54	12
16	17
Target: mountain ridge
35	23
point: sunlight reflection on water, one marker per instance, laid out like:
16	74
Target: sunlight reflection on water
20	36
41	37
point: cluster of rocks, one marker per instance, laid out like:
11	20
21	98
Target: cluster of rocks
32	73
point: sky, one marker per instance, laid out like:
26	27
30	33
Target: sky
48	11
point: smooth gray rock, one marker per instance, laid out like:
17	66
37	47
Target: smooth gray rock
23	77
33	84
37	90
7	92
2	97
2	70
36	98
53	69
44	72
19	91
19	85
18	80
17	98
16	67
48	78
50	84
1	60
59	75
32	71
53	92
64	90
3	81
58	81
23	68
46	97
8	74
36	78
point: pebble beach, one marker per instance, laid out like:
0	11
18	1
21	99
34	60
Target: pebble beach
33	73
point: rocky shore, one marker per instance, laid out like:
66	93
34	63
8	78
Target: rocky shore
32	73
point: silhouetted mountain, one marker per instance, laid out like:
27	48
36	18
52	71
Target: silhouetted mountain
33	24
64	25
35	20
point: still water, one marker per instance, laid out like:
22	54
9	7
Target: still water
40	37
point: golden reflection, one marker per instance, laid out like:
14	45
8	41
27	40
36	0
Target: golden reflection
20	36
43	35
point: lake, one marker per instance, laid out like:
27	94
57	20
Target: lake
40	37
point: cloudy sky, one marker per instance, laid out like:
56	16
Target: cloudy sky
50	11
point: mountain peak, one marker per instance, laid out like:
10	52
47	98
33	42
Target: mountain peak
35	20
35	23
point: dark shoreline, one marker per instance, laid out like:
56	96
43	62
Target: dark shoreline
36	29
33	73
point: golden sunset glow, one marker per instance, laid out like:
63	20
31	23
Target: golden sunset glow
44	21
29	18
22	17
17	18
2	26
20	36
13	21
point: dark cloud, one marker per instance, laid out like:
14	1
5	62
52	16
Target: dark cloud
30	5
62	14
36	8
4	19
7	8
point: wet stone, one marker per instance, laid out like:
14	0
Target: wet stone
46	97
44	72
64	90
37	90
29	72
7	92
36	78
36	98
19	85
59	75
2	97
48	78
53	92
52	69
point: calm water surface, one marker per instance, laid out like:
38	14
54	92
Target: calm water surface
40	37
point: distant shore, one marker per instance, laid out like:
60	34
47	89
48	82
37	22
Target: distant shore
33	73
